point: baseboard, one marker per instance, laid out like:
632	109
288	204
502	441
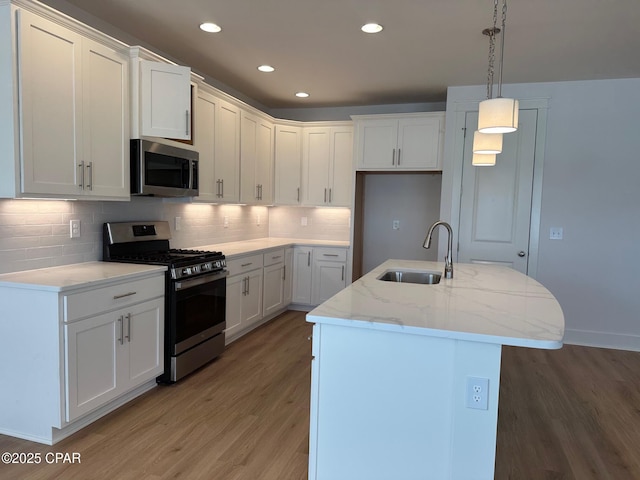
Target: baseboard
301	307
616	341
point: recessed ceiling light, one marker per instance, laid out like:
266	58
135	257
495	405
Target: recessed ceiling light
302	95
266	68
210	27
371	28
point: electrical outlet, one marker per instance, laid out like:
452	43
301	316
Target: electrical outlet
226	222
303	221
396	224
178	225
74	228
555	233
258	220
477	393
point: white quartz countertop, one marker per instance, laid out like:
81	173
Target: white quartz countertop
231	249
484	303
68	277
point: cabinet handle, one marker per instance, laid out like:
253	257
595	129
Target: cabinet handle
222	188
298	194
399	151
81	167
325	195
276	256
248	284
343	273
128	337
187	123
309	258
330	254
284	272
393	157
128	294
330	195
121	339
218	188
244	286
90	170
246	264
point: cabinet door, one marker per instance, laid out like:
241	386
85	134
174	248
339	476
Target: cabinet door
49	57
235	296
144	334
288	165
227	146
302	268
377	141
204	141
264	162
105	121
341	167
248	158
288	276
252	301
328	279
93	362
273	295
316	160
165	96
419	143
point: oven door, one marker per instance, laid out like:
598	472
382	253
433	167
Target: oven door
199	314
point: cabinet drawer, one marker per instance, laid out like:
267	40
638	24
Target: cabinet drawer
273	257
93	302
330	254
244	264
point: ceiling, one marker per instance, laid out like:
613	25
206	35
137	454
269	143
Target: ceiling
426	45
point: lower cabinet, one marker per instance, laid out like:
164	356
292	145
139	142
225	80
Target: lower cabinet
244	302
274	279
319	273
288	275
111	353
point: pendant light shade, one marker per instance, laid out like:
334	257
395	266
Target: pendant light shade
487	143
483	160
498	115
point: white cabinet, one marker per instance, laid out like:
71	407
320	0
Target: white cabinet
327	165
244	294
161	97
72	114
216	138
274	280
256	160
80	348
109	354
288	165
288	275
319	273
399	142
302	275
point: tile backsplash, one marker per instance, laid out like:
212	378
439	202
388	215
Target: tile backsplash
35	233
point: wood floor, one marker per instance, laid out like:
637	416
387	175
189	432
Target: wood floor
573	413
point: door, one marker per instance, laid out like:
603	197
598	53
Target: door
144	331
227	152
252	301
236	287
328	279
273	288
495	207
288	162
418	143
316	159
288	276
302	275
341	167
204	142
377	141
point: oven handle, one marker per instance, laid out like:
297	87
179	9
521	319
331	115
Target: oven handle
194	282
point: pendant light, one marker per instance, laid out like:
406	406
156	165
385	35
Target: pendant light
497	115
483	160
487	143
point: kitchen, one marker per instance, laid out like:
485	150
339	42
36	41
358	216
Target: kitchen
581	193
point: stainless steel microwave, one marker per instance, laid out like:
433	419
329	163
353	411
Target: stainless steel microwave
163	170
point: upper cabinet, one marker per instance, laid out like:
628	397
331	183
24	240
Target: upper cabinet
288	165
256	159
216	137
68	107
161	92
327	164
399	142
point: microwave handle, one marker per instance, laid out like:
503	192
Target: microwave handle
187	123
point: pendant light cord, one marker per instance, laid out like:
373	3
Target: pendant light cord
504	31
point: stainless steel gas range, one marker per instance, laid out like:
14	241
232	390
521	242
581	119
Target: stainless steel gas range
195	291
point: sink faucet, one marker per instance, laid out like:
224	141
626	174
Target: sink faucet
448	263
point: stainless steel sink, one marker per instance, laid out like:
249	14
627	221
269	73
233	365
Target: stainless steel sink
408	276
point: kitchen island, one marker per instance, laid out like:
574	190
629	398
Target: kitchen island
405	377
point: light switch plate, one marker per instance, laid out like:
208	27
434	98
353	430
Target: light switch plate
555	233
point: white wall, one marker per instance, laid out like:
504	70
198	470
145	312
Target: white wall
413	199
590	189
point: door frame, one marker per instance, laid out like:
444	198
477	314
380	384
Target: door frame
452	174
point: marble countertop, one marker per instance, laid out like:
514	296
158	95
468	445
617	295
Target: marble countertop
484	303
68	277
232	249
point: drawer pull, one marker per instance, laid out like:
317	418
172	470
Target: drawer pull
128	294
277	256
330	254
246	264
